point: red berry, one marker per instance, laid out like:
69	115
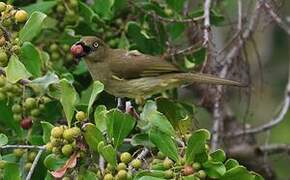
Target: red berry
77	50
187	170
26	123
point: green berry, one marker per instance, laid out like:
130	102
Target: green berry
67	150
3	57
81	116
68	134
187	170
49	147
60	9
168	163
168	174
2	96
122	174
18	152
35	112
196	166
55	150
74	3
55	142
16	108
126	157
65	178
57	132
53	47
30	103
21	16
17	117
45	99
55	56
7	22
27	166
2	6
121	166
168	11
31	156
65	47
108	177
201	174
2	81
160	155
2	164
136	163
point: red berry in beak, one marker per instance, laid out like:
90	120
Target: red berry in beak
26	123
77	50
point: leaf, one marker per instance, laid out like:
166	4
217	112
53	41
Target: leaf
196	146
100	116
93	136
177	5
42	83
103	8
89	175
238	172
87	13
68	99
47	127
231	163
218	155
98	87
44	7
214	169
31	58
119	126
141	139
164	143
11	171
176	30
150	178
3	139
15	70
70	163
32	27
108	153
156	119
53	162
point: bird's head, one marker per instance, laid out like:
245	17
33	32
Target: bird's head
89	47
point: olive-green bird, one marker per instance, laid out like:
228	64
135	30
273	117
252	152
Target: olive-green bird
132	74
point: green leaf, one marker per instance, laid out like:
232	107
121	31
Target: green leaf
214	169
44	7
3	139
53	162
11	171
218	155
47	127
89	175
177	5
42	83
141	139
149	174
100	116
108	153
16	70
31	58
32	27
239	172
150	178
256	176
68	99
119	126
93	136
104	8
87	13
156	119
231	163
98	87
164	142
196	146
191	177
176	30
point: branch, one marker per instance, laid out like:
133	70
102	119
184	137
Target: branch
206	22
275	149
29	175
23	147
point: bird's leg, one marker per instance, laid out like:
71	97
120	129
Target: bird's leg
121	104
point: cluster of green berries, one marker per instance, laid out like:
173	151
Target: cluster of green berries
60	52
123	169
63	140
66	12
9	90
9	19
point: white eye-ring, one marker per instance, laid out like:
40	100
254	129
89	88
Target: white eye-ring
96	44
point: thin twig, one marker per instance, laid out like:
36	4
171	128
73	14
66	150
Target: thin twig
29	175
102	164
272	149
206	22
23	147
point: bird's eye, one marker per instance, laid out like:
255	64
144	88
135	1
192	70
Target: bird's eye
95	44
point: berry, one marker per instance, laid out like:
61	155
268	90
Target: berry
16	108
168	163
60	9
26	123
57	132
121	166
21	16
31	156
125	157
2	6
196	166
201	174
168	174
7	22
27	166
55	56
18	152
67	150
81	116
108	177
168	11
49	147
30	103
160	155
77	50
35	112
65	178
15	49
136	163
73	3
2	96
53	47
187	170
3	57
122	174
2	41
17	117
55	150
68	134
2	164
2	81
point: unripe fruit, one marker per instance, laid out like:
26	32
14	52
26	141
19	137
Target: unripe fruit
53	47
55	150
65	178
201	174
15	49
2	96
6	22
2	164
17	117
35	112
2	6
30	103
196	166
122	174
73	3
49	147
136	163
81	116
121	166
26	123
18	152
168	11
55	56
168	174
27	166
160	155
126	157
57	132
3	57
68	134
60	9
168	163
2	81
31	156
21	16
108	177
187	170
45	99
65	47
67	150
2	41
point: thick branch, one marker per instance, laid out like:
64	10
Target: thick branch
29	175
272	149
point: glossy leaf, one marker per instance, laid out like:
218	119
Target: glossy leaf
87	13
103	8
119	126
238	172
108	153
11	171
3	139
32	27
231	163
100	116
98	87
164	142
93	136
46	127
31	58
15	70
44	7
68	99
141	139
214	169
42	83
53	162
218	155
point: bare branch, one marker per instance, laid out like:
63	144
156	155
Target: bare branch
206	22
29	175
272	149
23	147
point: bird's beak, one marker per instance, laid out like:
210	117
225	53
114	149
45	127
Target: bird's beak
79	50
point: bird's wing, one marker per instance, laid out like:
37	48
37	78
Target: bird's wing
132	64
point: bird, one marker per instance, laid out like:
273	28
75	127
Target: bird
131	74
